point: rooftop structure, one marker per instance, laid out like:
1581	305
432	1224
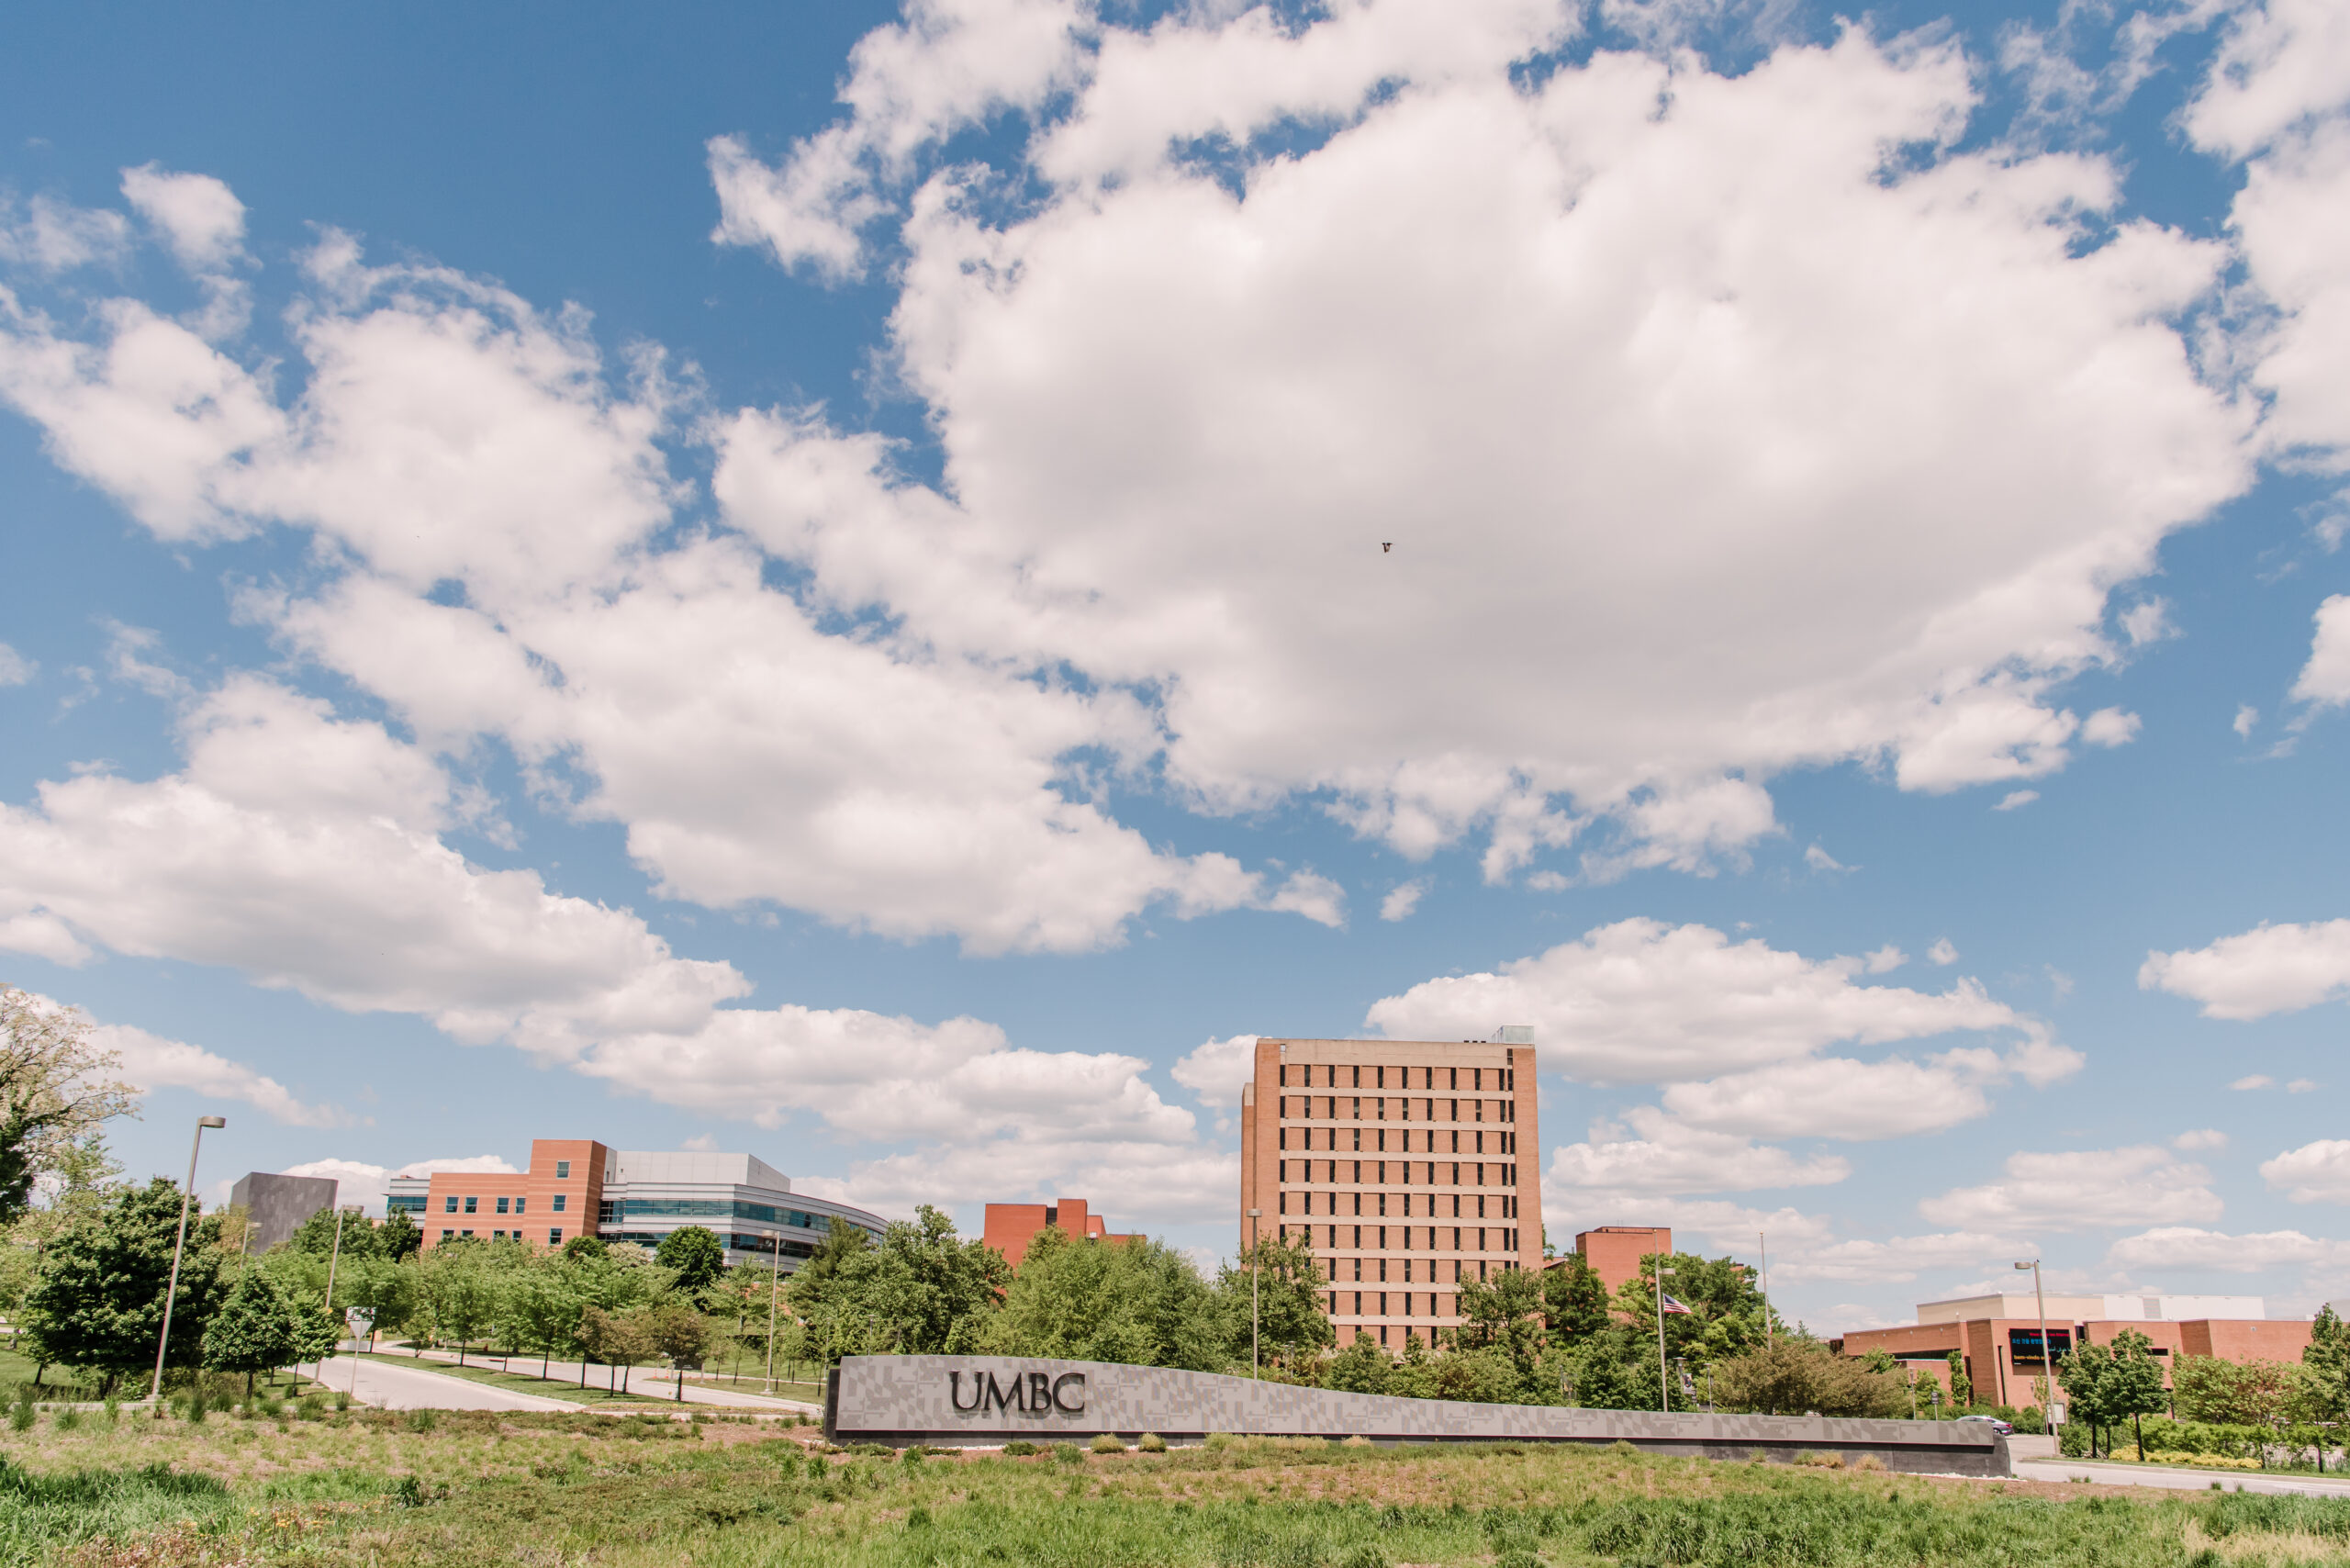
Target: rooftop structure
276	1205
2099	1309
1613	1251
579	1187
1011	1227
1399	1162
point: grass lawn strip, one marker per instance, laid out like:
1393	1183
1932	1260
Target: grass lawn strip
525	1383
457	1488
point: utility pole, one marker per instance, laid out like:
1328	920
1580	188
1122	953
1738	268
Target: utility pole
170	1292
1254	1362
775	1293
2047	1351
1663	1377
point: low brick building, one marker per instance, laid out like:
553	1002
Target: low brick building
1998	1336
1613	1251
1011	1227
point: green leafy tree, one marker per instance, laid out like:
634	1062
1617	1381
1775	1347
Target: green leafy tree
2085	1374
254	1330
1290	1311
384	1288
2134	1386
539	1308
1794	1374
1362	1368
457	1291
695	1255
1504	1315
315	1236
585	1246
57	1085
1962	1387
1135	1302
923	1291
99	1304
1574	1300
616	1338
2325	1366
401	1237
2243	1393
679	1334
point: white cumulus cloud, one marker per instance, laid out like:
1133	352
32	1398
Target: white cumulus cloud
2315	1172
2270	969
2081	1190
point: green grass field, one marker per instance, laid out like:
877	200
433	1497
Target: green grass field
464	1488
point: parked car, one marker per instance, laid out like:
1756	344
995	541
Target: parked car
2004	1428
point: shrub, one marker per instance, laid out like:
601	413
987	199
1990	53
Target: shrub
1868	1462
1821	1459
1107	1442
1152	1443
1068	1454
1021	1448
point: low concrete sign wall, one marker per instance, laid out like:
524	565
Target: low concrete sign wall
983	1401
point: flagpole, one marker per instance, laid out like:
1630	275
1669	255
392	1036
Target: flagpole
1664	1375
1763	1242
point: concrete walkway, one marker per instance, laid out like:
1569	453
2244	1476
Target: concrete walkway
650	1381
2180	1478
388	1385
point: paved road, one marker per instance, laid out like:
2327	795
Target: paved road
391	1386
643	1380
2181	1480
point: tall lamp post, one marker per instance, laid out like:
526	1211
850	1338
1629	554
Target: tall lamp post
775	1294
156	1393
1663	1377
1253	1361
2047	1351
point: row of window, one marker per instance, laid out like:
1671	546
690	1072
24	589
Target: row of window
1431	1206
1504	1142
1337	1171
521	1205
1402	1300
1300	1107
1407	1238
617	1211
1301	1075
554	1236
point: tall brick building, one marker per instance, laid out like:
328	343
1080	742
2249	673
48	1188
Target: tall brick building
1409	1165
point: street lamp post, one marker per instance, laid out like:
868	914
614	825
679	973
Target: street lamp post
775	1294
2047	1351
1253	1360
1663	1377
164	1339
1763	1240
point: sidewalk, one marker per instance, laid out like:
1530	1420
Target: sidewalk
2180	1478
651	1381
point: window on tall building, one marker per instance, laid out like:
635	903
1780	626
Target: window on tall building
447	1234
561	1199
472	1206
554	1236
449	1205
497	1236
562	1170
519	1203
501	1208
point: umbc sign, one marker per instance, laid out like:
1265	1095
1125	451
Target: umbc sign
1031	1393
983	1401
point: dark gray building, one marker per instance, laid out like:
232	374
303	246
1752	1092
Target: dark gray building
278	1205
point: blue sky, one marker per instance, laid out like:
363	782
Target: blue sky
812	578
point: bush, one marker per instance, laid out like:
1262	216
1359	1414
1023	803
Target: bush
1106	1442
1021	1448
1152	1443
1068	1454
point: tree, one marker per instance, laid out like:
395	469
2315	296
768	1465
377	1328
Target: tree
2246	1393
1504	1315
539	1307
56	1087
695	1255
616	1338
2134	1386
923	1291
384	1289
1574	1300
400	1235
678	1333
1962	1387
580	1247
1136	1302
315	1237
1290	1311
457	1291
2084	1374
1362	1368
254	1330
1794	1374
99	1304
2326	1368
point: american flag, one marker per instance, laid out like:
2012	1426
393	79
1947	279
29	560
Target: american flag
1672	1306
